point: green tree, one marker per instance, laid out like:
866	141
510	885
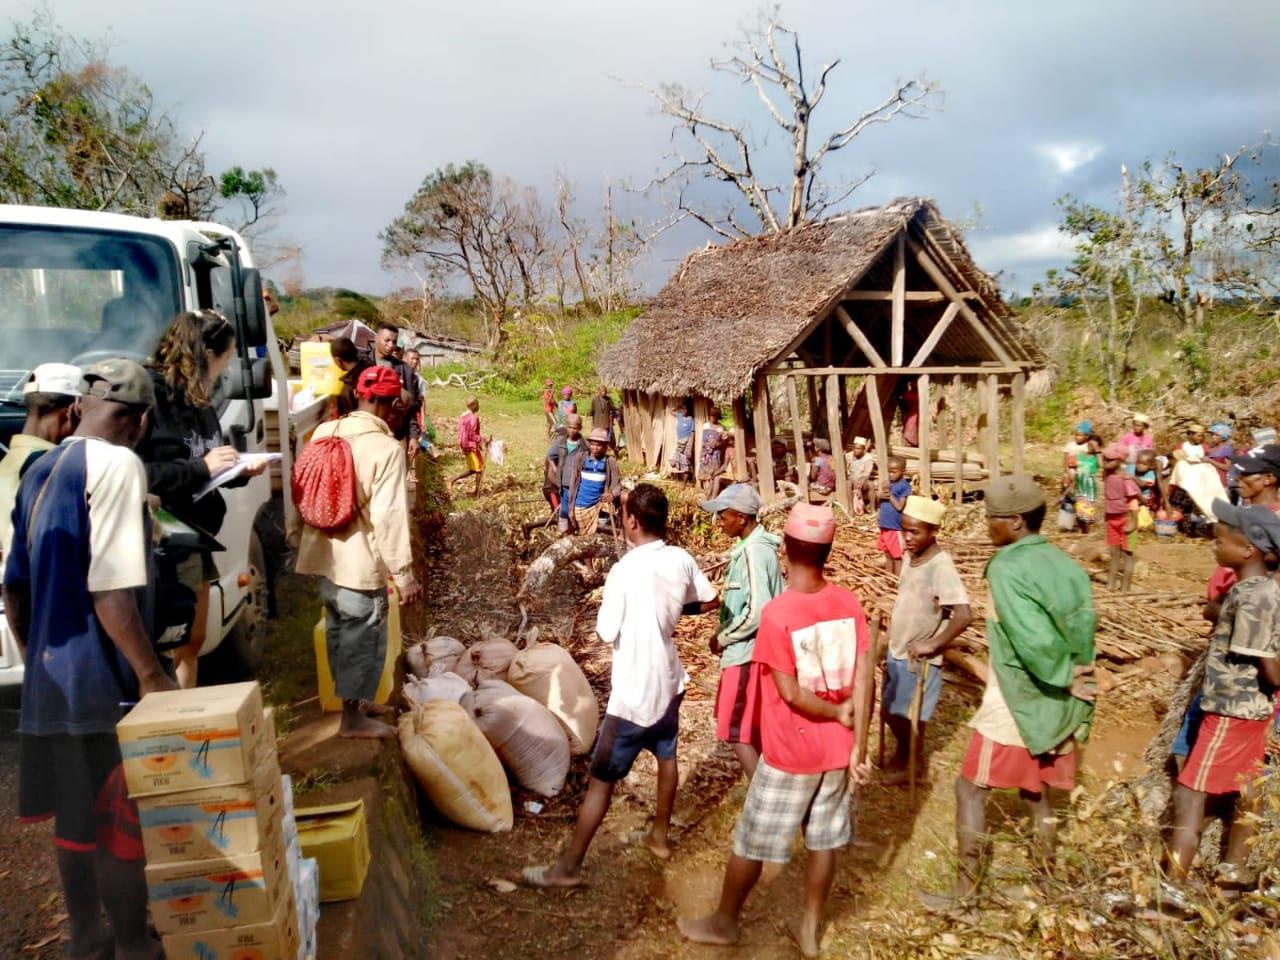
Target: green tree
78	131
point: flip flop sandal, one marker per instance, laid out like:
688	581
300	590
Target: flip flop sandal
537	877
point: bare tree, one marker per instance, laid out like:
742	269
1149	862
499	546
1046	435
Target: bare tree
769	59
576	237
464	222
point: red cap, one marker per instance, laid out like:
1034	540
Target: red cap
378	382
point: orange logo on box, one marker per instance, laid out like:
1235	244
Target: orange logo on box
237	806
160	762
235	876
208	736
176	833
246	953
186	904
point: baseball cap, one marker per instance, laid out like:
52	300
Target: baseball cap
1264	459
811	523
1142	418
741	497
60	378
1013	495
599	434
120	380
376	381
1258	523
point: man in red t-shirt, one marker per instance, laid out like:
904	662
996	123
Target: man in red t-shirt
812	648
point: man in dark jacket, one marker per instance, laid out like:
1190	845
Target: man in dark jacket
556	465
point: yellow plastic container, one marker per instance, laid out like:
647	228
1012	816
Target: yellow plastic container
329	700
319	372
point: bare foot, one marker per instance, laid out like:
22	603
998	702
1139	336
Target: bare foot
371	709
659	848
712	929
805	934
363	728
549	876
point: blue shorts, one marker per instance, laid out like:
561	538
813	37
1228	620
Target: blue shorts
1191	721
900	687
620	742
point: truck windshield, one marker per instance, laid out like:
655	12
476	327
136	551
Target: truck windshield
77	296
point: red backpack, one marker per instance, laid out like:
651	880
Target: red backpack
324	484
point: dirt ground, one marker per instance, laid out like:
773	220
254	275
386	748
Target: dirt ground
628	907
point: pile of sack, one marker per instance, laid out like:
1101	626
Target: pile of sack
482	713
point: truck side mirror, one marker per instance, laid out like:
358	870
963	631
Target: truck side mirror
259	387
255	309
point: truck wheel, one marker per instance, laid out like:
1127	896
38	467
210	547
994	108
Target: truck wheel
248	639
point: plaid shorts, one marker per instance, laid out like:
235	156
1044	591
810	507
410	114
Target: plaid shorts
779	803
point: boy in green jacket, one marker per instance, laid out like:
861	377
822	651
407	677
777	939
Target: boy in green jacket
1038	704
752	579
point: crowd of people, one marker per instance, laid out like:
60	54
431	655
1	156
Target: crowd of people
107	606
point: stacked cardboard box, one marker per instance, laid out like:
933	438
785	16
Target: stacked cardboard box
202	766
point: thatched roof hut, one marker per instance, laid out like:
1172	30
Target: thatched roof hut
889	291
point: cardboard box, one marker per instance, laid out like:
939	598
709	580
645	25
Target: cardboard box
198	895
279	939
188	739
216	821
337	838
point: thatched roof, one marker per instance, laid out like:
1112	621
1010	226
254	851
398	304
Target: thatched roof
731	310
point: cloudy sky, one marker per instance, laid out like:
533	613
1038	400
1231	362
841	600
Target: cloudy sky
352	103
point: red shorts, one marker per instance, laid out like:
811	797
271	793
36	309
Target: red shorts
890	542
1117	535
1228	752
738	704
994	765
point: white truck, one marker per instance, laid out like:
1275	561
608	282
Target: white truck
78	286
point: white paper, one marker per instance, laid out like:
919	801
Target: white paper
221	479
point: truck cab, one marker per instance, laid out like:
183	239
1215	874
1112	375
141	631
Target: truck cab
79	286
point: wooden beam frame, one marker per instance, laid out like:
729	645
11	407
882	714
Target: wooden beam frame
837	443
937	276
802	463
897	330
926	431
993	426
764	438
957	427
935	335
740	440
859	337
1017	426
911	296
871	389
970	371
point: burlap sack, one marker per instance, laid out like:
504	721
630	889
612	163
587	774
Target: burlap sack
455	766
527	737
549	674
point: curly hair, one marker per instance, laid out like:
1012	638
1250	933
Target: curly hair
180	358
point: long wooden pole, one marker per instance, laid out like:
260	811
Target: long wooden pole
926	431
837	443
740	439
980	328
802	464
872	391
957	422
993	426
899	303
1017	427
764	436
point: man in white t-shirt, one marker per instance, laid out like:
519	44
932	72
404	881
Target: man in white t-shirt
644	596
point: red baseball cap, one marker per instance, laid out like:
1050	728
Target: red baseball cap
378	382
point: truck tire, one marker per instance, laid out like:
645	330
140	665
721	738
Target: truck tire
247	642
